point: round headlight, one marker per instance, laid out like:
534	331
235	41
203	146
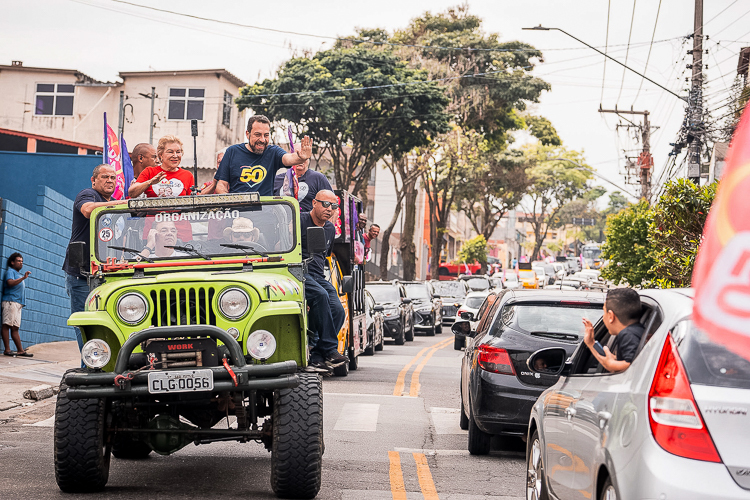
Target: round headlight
96	353
261	344
132	308
235	333
234	303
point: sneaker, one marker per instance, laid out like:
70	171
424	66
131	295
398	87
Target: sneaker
334	359
317	367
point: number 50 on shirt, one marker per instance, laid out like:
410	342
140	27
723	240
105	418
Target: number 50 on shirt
253	174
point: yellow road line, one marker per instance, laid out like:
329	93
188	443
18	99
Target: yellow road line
414	387
398	490
425	478
399	388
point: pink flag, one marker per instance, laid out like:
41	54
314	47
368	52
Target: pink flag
113	156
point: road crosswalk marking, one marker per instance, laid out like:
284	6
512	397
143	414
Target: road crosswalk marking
446	420
360	417
47	422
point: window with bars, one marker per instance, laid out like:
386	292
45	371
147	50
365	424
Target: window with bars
54	99
186	104
226	115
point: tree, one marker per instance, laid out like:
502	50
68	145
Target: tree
676	230
330	97
553	184
584	208
542	129
628	248
492	186
489	103
475	251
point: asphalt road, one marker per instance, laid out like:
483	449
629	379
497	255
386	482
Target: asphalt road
391	432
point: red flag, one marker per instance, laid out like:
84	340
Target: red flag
721	276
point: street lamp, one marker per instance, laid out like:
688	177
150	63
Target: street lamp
542	28
594	172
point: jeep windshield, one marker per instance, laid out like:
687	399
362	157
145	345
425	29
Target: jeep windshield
195	232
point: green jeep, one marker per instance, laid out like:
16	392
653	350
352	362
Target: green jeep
195	331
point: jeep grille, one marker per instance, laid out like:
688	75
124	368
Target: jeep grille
183	306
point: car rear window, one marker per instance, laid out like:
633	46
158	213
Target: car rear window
474	302
551	319
450	289
478	283
709	363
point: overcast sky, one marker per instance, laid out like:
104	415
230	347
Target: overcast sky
103	37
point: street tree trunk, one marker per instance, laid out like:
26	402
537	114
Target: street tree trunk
407	247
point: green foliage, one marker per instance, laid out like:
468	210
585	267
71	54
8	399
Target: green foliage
474	251
676	230
628	248
357	127
542	129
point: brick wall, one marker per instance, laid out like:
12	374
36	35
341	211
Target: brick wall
41	237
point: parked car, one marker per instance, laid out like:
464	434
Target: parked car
496	282
459	341
511	280
497	388
374	322
427	306
452	293
477	283
575	264
541	274
528	278
469	311
673	425
398	322
561	270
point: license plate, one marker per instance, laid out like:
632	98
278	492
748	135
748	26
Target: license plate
180	381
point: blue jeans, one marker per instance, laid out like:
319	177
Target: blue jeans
326	316
78	289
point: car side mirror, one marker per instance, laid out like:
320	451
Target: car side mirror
316	240
467	316
462	328
406	300
77	255
347	285
378	308
436	296
548	361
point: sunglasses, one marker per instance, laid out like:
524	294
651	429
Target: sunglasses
327	204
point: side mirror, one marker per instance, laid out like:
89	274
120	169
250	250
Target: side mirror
467	316
548	361
462	328
406	300
347	285
77	255
316	240
378	308
436	296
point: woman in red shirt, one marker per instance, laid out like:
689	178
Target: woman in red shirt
165	180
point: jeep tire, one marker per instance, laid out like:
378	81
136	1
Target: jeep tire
81	451
297	449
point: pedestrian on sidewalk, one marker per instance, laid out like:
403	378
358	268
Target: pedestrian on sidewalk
13	300
98	195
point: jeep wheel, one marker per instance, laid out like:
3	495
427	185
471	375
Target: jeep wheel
297	449
125	447
80	448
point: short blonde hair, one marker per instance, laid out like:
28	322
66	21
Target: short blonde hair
167	139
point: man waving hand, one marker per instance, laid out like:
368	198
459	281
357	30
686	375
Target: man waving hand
252	166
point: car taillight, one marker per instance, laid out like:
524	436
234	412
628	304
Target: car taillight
495	360
676	423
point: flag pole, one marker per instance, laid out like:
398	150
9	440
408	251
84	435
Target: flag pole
194	131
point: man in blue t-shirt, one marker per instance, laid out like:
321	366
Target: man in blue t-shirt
310	182
13	300
326	316
252	167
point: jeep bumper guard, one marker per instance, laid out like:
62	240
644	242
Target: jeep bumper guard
271	376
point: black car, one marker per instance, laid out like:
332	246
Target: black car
375	326
398	322
452	293
427	306
497	388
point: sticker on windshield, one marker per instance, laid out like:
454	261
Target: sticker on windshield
106	220
106	234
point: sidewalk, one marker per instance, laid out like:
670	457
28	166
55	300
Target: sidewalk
51	360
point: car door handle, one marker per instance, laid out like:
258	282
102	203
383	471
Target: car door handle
570	412
604	417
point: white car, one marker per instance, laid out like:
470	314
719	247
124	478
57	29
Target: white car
511	281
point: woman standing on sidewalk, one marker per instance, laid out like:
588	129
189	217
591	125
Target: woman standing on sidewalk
13	300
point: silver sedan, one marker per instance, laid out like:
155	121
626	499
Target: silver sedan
674	425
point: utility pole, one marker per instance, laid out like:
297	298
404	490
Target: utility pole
151	96
695	115
645	160
121	119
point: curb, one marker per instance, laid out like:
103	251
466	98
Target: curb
41	392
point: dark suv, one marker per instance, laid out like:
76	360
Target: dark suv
497	388
427	306
398	322
453	294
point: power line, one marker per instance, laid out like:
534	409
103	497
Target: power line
649	50
627	52
730	24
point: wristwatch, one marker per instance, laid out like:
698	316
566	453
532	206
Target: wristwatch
150	250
